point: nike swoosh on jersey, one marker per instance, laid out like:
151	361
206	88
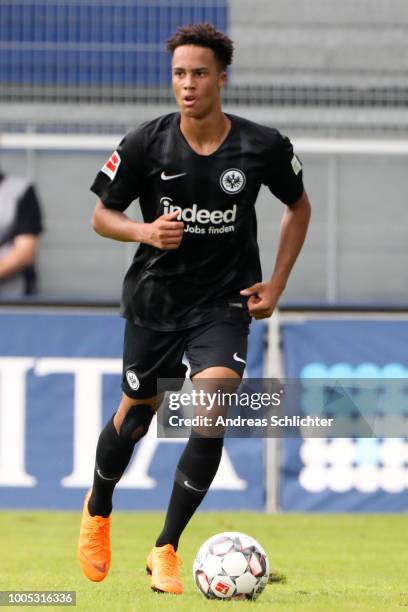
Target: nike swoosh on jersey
101	567
169	177
187	484
236	358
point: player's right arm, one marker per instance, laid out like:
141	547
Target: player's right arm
119	182
164	233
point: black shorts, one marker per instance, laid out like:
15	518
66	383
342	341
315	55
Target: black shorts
149	354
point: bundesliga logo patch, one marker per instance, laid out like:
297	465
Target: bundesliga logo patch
222	587
296	165
112	165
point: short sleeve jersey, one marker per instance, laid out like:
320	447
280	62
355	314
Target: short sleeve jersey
215	196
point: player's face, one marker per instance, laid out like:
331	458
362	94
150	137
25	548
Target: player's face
197	80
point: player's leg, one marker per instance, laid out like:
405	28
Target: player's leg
196	468
113	453
142	358
115	448
212	350
195	472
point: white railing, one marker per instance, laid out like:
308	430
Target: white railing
96	142
331	148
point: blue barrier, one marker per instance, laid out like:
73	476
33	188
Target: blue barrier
368	475
95	43
59	382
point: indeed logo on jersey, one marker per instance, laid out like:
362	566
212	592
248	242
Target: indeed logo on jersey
202	216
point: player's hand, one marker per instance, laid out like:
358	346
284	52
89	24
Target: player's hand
262	299
165	232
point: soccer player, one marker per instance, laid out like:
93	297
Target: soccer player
195	281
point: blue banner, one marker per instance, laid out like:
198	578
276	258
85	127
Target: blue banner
345	474
60	380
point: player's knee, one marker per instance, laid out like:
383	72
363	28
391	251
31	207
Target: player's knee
136	423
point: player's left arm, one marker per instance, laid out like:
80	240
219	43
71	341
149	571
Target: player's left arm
263	297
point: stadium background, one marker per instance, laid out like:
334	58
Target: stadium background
75	76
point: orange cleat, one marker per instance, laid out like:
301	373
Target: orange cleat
94	552
163	565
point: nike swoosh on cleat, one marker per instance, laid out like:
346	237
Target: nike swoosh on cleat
169	177
235	356
187	484
101	567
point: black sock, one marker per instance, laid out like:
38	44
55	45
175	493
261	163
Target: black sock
195	472
113	453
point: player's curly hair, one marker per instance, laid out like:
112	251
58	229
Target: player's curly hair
204	35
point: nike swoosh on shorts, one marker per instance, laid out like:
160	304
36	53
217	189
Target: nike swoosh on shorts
236	358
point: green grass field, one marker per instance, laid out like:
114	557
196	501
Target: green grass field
331	562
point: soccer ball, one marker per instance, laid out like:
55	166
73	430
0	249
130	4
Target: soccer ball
231	565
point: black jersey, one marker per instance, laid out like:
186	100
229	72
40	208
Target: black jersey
215	194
